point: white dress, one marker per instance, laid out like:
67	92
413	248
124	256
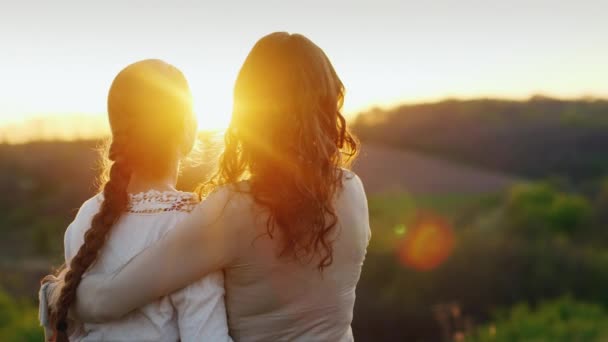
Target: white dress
195	313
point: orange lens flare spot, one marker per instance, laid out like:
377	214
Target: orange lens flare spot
427	244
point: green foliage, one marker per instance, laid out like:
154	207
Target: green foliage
538	138
559	320
389	215
538	208
601	207
18	321
493	264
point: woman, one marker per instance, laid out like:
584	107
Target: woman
150	109
287	224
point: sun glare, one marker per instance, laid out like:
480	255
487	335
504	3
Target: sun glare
213	114
212	91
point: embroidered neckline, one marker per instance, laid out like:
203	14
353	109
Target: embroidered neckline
154	201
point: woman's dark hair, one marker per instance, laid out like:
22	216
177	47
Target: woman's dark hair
288	138
150	113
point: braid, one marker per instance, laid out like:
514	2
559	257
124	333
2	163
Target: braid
115	202
147	100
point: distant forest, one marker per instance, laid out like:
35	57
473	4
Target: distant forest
541	137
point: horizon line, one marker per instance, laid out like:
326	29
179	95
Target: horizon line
386	105
90	129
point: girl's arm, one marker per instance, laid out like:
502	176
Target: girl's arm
206	241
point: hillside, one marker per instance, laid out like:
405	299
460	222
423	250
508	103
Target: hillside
538	138
389	170
44	183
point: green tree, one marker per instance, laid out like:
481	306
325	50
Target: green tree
539	209
559	320
18	321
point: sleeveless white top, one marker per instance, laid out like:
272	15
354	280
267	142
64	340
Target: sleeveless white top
195	313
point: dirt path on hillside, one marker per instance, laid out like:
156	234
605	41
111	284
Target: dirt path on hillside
388	170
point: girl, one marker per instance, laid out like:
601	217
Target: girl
153	127
287	223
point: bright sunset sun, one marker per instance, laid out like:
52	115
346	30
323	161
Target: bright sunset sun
212	113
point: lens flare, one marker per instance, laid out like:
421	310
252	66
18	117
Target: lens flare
400	230
427	243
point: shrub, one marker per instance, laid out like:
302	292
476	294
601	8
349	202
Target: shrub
536	210
492	266
562	319
18	321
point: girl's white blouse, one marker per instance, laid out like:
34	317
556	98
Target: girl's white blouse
195	313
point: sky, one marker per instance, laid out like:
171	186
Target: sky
59	57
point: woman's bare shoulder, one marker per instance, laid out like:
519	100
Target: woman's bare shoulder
229	196
230	204
353	205
352	184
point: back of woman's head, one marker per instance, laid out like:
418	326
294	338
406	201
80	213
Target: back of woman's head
152	123
289	139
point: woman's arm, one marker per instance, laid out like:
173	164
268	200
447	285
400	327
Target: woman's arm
201	312
204	242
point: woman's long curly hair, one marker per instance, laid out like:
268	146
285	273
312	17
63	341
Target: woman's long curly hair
288	138
150	114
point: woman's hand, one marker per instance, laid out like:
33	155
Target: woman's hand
49	293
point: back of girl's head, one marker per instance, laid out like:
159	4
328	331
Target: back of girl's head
152	124
289	138
151	117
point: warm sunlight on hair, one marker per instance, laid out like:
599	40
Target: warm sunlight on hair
289	139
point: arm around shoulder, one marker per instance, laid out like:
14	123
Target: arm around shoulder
200	244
